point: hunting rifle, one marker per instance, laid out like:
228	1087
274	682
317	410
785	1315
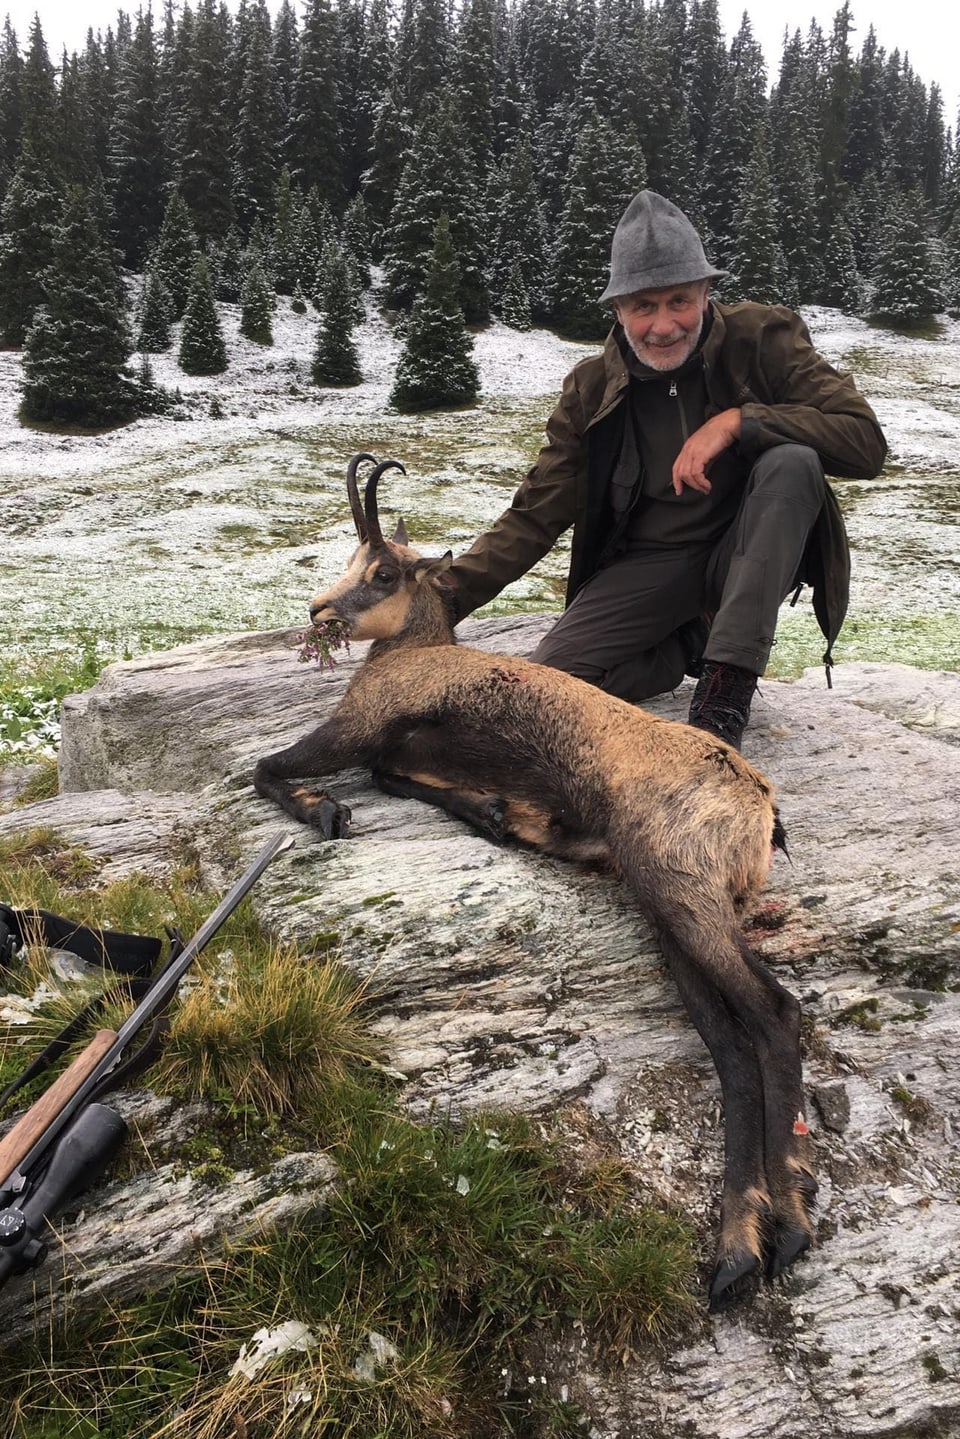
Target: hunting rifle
66	1139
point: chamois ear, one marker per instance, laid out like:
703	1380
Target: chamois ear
400	536
432	569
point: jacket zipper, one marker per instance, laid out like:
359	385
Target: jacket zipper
676	395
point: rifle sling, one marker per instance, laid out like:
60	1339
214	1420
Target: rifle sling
129	955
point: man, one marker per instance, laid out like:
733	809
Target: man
689	457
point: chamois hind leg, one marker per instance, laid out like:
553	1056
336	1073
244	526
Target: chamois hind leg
280	776
745	1210
789	1165
699	920
496	816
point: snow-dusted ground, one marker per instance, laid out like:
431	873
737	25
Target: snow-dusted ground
173	527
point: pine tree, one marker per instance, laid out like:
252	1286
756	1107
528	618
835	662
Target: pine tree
436	367
283	241
256	304
28	219
389	147
314	145
951	266
373	76
604	176
515	303
202	347
841	284
475	61
38	101
515	227
226	267
137	153
75	352
904	284
204	170
335	359
154	332
11	107
257	138
356	238
424	54
431	185
176	252
756	260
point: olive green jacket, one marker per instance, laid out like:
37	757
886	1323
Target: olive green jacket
758	358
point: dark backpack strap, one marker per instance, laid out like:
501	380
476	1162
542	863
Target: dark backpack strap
131	954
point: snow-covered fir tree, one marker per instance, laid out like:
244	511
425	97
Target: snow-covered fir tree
600	184
154	331
431	186
515	301
137	158
436	367
76	351
755	257
227	267
335	358
904	281
284	256
515	230
256	303
203	350
176	254
356	238
841	284
28	220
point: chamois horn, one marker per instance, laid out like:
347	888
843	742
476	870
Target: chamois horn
356	508
374	533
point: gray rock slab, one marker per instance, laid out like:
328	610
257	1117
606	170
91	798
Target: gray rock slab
502	977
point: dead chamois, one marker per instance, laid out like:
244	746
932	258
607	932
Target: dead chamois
524	752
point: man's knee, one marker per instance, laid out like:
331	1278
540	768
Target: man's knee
559	652
794	471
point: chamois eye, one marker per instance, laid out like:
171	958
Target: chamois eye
384	576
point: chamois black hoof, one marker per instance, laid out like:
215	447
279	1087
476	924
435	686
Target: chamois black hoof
733	1280
491	819
790	1244
332	819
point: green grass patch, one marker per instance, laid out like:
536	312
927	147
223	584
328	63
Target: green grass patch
444	1249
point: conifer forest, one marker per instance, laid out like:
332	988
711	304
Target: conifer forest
478	155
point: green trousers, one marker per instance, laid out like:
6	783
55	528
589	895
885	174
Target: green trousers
628	630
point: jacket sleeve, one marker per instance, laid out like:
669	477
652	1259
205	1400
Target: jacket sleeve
542	508
803	400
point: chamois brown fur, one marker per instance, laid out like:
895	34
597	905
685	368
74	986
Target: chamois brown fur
527	753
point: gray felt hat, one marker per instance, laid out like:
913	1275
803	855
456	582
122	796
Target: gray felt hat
654	246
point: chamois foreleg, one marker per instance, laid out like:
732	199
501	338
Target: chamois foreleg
331	747
498	817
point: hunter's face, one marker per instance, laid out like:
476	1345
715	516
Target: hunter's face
663	326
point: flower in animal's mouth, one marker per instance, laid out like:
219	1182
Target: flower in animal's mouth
319	642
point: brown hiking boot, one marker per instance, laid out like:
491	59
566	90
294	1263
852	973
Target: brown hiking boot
721	700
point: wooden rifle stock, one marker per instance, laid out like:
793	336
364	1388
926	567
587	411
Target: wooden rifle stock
16	1145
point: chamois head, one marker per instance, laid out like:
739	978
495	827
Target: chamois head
389	591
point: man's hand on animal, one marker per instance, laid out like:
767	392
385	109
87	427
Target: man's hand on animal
699	452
